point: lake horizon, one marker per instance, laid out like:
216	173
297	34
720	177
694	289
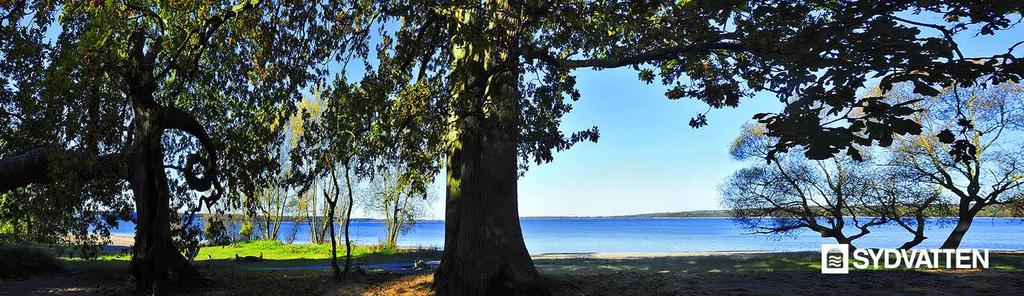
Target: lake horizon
667	235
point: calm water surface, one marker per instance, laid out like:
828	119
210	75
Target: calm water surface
557	235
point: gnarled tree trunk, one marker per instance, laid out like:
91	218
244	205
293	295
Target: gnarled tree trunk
156	262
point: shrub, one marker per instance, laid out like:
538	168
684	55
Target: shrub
19	262
246	231
216	233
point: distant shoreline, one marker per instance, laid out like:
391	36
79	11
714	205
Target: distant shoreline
693	217
720	214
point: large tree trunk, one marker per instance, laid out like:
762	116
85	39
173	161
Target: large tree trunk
156	263
484	252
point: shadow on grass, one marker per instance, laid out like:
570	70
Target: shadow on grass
773	274
754	262
683	264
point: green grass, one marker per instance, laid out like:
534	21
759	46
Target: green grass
278	254
273	250
276	250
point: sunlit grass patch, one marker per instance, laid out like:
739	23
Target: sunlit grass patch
276	250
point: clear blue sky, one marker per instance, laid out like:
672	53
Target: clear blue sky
648	159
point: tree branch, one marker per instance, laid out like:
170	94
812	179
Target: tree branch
34	167
174	118
658	54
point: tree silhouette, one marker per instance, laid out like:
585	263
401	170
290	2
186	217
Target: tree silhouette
985	167
828	197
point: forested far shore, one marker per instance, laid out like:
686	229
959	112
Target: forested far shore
996	211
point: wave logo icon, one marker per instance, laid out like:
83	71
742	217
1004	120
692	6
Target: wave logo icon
835	259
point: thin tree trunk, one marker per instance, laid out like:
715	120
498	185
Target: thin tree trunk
332	204
918	232
348	219
395	221
966	218
957	235
325	223
334	243
913	242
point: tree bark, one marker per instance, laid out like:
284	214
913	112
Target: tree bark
156	263
395	225
917	231
348	220
332	203
334	242
966	216
913	242
484	252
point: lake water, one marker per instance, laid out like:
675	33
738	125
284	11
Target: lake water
558	235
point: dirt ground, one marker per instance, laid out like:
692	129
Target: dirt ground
625	283
587	274
761	283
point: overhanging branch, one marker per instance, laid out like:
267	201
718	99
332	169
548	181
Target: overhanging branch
34	167
658	54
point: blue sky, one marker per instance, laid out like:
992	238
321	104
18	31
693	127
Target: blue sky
648	159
